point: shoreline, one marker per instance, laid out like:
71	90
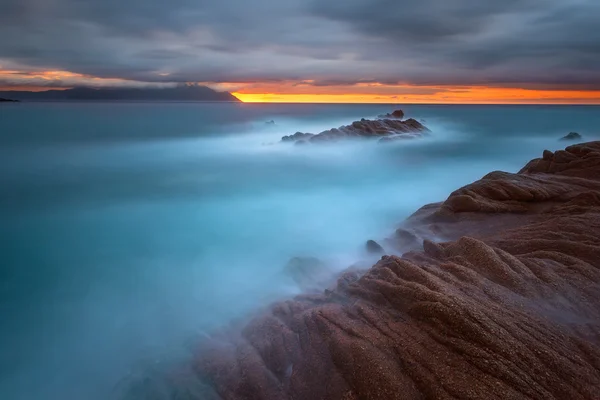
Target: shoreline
501	300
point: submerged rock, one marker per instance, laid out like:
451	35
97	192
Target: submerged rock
310	273
507	307
572	136
396	138
271	122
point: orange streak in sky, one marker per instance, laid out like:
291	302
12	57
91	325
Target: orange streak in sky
445	95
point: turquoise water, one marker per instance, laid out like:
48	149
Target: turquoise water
129	230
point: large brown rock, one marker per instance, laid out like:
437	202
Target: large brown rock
507	307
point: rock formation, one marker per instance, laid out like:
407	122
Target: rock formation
572	136
397	114
506	307
374	248
389	128
8	100
297	136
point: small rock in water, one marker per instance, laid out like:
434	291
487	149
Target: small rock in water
572	136
398	114
271	122
374	248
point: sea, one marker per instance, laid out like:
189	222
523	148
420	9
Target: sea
130	231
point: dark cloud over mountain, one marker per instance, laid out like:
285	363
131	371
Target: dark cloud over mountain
528	43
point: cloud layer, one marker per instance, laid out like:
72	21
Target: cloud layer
547	44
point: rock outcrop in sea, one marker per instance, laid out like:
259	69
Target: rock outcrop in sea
506	306
389	127
3	100
572	136
397	114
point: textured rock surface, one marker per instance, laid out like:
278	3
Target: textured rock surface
364	129
507	308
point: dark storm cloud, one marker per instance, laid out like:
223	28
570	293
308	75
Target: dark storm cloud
529	43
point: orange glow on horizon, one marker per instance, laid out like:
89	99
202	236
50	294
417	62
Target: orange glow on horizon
438	95
308	91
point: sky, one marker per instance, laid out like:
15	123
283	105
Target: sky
388	51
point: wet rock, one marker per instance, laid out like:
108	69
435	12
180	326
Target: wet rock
405	240
297	136
572	136
348	277
371	129
365	128
271	122
397	114
374	248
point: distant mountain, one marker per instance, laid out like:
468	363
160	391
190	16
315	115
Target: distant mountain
179	93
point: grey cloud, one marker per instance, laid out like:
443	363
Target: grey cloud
420	21
478	42
528	43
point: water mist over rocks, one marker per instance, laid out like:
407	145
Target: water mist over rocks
132	231
512	310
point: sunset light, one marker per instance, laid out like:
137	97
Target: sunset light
459	95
